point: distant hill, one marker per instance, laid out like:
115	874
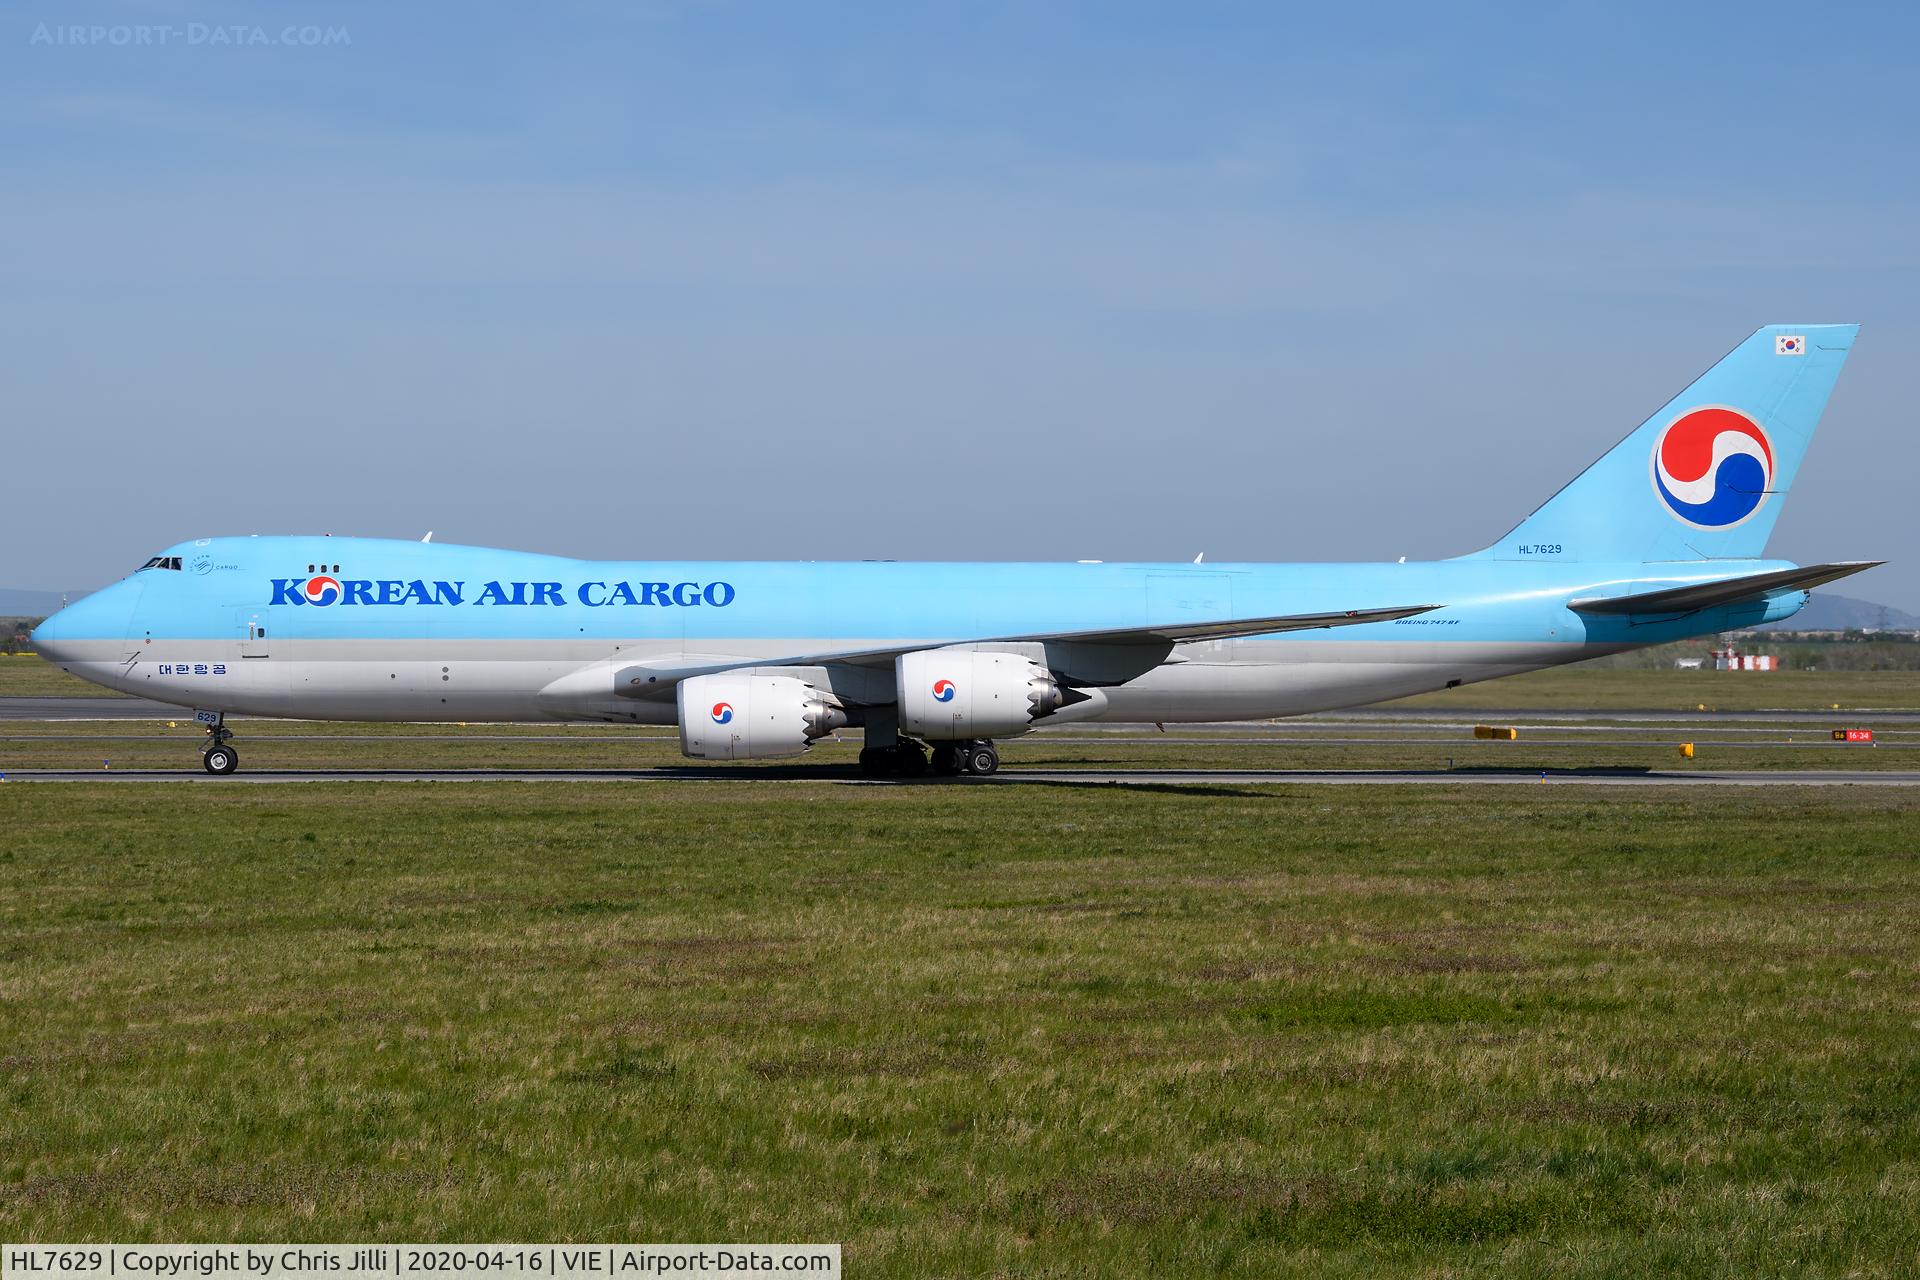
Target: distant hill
1826	612
31	604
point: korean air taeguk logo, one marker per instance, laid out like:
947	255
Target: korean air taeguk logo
1713	467
943	691
321	590
722	713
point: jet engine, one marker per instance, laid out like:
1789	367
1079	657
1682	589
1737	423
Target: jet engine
737	715
949	694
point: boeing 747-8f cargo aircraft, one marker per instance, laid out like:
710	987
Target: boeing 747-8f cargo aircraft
1658	540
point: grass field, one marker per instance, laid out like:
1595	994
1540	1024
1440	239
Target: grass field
1041	1030
28	675
1592	742
1581	687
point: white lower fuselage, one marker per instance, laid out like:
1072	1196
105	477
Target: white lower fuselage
477	680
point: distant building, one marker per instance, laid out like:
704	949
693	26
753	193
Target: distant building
1731	659
1689	664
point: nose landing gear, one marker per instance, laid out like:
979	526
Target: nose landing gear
218	758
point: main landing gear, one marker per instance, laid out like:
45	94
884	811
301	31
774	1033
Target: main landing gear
951	759
902	760
909	759
218	757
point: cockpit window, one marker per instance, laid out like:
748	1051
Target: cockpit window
160	562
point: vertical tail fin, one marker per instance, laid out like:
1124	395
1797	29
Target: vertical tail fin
1703	478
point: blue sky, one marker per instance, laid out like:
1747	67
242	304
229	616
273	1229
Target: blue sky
1025	281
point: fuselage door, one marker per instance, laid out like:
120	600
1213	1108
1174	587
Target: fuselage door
259	680
256	634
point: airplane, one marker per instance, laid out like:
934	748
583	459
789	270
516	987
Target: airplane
1658	540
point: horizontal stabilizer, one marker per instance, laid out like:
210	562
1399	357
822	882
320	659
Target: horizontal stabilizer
1722	591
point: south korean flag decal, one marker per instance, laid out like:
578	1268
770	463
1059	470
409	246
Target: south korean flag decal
1789	344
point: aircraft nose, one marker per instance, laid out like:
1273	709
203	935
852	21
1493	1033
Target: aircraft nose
105	615
49	635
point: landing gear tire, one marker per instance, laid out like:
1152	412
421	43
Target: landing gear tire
981	759
947	760
220	759
909	761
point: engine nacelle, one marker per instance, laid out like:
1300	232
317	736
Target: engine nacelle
741	716
948	694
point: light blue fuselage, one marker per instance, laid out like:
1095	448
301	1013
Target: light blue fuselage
412	630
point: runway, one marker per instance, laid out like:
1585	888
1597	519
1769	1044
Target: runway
1420	732
115	707
1019	777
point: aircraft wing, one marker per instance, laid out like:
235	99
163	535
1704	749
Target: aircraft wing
1173	632
656	679
1708	595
